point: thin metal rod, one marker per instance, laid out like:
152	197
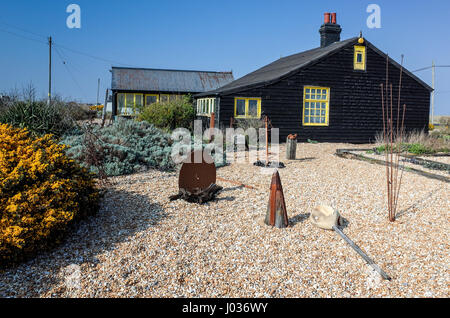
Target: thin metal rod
49	99
391	127
361	253
267	141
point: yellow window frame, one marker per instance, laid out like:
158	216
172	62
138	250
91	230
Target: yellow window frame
247	102
153	95
161	97
126	101
206	106
361	66
316	100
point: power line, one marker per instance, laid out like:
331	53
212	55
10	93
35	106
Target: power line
68	70
54	44
23	36
92	56
23	30
429	67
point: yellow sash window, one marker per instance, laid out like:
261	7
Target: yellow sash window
316	102
360	58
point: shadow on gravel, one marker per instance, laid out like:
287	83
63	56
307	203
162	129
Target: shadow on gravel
299	219
419	203
122	215
305	159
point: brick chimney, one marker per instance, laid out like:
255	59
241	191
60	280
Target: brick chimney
330	31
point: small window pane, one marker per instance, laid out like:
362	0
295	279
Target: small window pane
313	91
307	112
323	105
313	96
307	96
253	108
322	120
307	120
307	105
323	112
121	103
308	91
324	91
359	58
151	100
240	107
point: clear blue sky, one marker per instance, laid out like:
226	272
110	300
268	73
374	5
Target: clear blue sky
212	35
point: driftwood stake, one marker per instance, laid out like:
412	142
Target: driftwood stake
276	211
291	147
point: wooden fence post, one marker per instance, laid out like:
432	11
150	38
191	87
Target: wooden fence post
291	147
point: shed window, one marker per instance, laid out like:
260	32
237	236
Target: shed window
164	98
206	106
360	58
129	104
247	107
316	106
151	99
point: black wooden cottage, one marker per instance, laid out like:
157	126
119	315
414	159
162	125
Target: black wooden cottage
329	94
135	87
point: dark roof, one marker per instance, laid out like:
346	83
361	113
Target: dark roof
160	80
290	64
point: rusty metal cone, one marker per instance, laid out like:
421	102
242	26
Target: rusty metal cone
276	211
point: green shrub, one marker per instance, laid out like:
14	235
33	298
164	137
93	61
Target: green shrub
125	147
170	115
42	192
38	117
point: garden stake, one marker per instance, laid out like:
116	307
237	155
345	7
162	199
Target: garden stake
267	140
211	126
276	211
393	139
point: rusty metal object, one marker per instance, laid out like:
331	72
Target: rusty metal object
276	211
236	183
197	176
292	137
212	121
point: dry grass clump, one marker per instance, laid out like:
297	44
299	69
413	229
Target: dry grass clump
418	142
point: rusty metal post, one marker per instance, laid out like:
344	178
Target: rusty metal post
267	140
276	211
212	122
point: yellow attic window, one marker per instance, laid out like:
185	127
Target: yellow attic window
360	58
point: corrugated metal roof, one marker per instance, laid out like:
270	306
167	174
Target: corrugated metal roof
144	79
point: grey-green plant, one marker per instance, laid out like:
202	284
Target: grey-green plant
126	147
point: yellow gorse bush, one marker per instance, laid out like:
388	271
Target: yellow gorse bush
42	192
97	108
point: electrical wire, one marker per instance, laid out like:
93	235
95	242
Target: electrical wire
68	70
429	67
23	36
91	56
23	30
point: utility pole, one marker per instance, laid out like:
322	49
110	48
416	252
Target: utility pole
433	68
49	70
98	91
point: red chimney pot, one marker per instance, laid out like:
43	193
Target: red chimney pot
333	18
327	17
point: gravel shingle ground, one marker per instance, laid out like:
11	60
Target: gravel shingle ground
142	245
